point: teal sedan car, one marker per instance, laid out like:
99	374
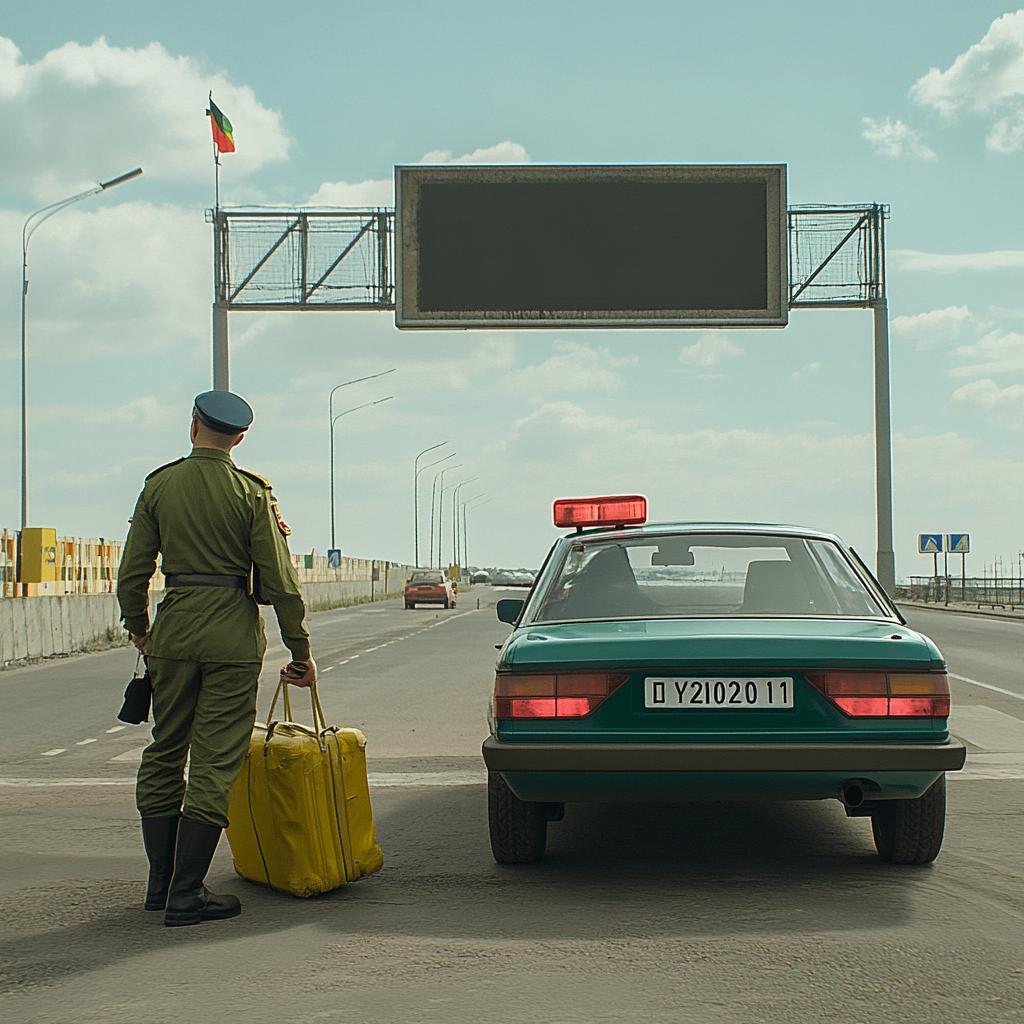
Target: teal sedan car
713	661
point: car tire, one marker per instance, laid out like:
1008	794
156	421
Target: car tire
910	831
519	830
446	604
410	605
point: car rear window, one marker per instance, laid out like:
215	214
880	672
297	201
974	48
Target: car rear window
705	574
418	578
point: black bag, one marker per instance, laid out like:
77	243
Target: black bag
137	698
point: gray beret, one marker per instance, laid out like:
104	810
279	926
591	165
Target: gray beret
223	411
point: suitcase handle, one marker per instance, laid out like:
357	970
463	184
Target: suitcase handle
319	721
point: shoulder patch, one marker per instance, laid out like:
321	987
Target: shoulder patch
261	480
160	469
281	524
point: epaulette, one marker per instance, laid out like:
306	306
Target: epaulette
160	469
262	480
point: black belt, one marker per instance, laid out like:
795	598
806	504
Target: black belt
200	579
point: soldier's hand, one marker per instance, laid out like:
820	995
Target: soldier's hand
290	673
140	641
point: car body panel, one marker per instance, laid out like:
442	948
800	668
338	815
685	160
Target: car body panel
652	787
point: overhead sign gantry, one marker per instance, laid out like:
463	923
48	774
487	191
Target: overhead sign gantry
571	246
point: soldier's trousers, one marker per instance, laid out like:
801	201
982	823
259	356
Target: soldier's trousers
204	710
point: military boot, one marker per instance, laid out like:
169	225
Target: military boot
159	836
189	901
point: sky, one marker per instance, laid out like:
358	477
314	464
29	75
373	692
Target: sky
919	105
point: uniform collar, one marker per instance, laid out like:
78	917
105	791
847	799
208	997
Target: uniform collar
211	453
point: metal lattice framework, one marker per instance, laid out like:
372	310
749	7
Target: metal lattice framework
344	259
304	259
836	256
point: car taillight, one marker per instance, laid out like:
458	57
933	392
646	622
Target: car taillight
565	695
886	694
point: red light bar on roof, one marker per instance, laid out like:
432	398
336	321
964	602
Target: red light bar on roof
615	510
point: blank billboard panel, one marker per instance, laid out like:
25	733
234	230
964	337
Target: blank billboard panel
591	246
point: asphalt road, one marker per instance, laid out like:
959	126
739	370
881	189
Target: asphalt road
724	912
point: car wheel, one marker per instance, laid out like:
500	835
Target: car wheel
446	605
410	604
910	831
519	830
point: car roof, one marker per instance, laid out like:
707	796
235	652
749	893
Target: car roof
694	526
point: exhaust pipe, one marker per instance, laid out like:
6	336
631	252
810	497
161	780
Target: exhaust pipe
853	794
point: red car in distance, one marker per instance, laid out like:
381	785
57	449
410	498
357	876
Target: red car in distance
429	586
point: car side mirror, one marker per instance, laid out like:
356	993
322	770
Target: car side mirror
509	609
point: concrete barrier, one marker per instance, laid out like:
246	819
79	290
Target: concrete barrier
40	627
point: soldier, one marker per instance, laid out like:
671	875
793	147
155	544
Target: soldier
214	524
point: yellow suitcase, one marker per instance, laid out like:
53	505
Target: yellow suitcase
300	808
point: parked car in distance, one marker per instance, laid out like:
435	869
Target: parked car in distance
429	586
713	661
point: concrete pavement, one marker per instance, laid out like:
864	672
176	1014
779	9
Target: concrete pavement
725	912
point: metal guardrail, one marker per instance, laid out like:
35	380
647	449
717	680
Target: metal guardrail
985	592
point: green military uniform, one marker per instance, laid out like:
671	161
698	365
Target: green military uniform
205	516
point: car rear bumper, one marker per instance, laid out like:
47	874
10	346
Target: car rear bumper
847	758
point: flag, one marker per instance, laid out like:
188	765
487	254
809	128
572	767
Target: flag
222	137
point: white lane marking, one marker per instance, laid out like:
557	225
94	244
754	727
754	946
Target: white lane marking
117	728
476	777
328	669
82	743
989	729
59	783
994	767
987	686
464	778
135	756
54	752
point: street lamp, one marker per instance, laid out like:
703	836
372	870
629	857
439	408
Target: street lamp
34	221
433	500
455	517
465	523
354	408
440	519
416	491
332	418
465	551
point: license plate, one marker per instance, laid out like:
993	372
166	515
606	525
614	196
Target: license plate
719	693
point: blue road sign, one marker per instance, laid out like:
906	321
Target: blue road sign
929	543
960	543
334	558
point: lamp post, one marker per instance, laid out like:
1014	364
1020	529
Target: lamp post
433	500
332	418
354	408
465	521
440	520
455	517
32	223
416	491
465	551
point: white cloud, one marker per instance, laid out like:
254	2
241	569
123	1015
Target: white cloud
576	367
996	352
710	348
1005	406
940	326
805	370
988	77
81	114
502	153
950	263
115	279
372	192
894	138
381	192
